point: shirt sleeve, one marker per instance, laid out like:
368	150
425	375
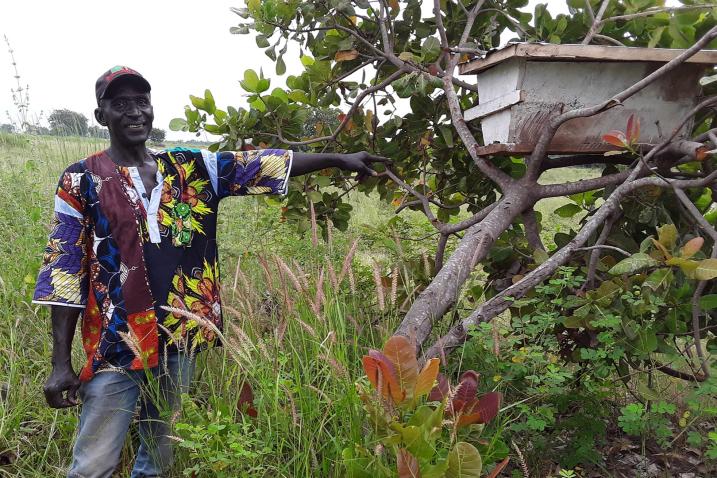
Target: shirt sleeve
63	278
240	173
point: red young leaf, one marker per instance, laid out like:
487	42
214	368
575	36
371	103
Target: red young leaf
245	404
615	138
488	406
440	391
407	464
701	153
467	387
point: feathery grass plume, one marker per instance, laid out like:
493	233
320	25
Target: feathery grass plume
332	275
267	275
289	273
496	338
394	285
292	405
320	393
307	328
426	264
329	233
130	339
284	289
280	331
337	366
521	458
314	227
303	276
352	281
201	321
346	266
319	299
379	287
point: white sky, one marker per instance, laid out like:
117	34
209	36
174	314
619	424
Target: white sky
180	46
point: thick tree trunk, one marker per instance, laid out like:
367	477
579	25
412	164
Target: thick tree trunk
445	288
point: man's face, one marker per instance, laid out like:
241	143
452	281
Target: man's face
127	112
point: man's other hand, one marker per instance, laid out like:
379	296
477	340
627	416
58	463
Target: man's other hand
62	379
360	163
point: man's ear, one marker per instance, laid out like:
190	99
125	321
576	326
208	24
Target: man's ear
100	117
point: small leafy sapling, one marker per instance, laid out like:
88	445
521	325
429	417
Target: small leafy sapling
421	418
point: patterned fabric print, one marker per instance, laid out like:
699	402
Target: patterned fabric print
63	279
86	265
253	172
185	198
198	293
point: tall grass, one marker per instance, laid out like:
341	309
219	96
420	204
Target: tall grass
301	358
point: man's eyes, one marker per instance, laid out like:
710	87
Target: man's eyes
124	103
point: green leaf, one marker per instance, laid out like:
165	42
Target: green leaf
239	30
250	82
197	102
659	278
568	210
406	56
178	124
540	256
706	269
464	461
447	133
667	236
634	263
708	302
646	342
307	60
280	65
262	41
209	104
706	80
430	49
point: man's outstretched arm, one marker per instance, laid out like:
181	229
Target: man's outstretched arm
63	377
304	163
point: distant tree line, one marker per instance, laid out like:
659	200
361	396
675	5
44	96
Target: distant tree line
64	122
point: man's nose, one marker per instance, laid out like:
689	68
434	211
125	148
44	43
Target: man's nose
132	109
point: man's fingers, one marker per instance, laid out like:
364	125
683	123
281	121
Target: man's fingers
378	159
72	395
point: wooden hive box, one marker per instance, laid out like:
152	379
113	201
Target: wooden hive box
522	85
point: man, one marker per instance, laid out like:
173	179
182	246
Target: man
135	230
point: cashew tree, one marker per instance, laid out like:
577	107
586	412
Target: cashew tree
391	68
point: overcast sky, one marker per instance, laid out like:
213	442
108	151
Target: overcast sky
180	46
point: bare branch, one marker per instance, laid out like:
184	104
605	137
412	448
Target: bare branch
653	11
597	23
604	246
532	234
543	191
471	221
424	201
608	39
441	248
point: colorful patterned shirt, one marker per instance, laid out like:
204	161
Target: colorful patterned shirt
120	255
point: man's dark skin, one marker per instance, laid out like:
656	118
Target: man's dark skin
127	113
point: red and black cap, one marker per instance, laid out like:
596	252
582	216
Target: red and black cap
110	76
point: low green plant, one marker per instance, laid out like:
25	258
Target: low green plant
420	425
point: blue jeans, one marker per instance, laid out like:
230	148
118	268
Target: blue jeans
109	401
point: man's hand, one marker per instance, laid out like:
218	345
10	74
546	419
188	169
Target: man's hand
360	163
62	379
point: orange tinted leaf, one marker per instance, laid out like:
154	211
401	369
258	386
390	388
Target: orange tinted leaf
427	377
402	355
346	55
382	377
615	138
467	388
692	247
488	406
407	464
701	153
394	5
498	468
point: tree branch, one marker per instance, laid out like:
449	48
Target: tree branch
441	249
597	23
531	229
